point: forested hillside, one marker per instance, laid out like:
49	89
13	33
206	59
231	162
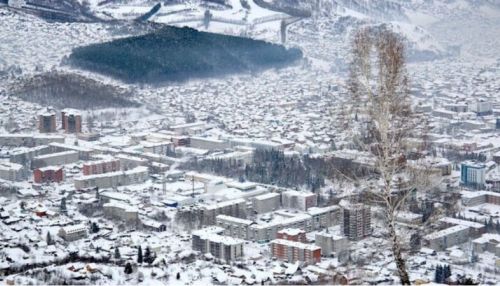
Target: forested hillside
173	53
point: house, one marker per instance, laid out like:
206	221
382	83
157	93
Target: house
73	232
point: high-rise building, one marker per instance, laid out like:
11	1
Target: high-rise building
472	174
47	122
357	221
71	121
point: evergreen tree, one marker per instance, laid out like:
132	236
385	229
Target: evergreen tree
117	253
139	255
446	273
128	268
147	255
94	227
49	239
63	208
438	275
178	276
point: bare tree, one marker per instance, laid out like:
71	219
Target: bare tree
381	124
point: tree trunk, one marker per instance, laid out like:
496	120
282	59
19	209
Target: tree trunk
396	252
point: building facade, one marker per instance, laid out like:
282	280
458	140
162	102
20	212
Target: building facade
473	174
48	174
357	221
293	251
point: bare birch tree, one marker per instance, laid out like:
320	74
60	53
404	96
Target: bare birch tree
382	123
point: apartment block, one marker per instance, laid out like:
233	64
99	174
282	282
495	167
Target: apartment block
48	174
121	211
113	179
298	200
71	120
293	251
12	171
101	167
47	122
210	240
357	221
331	243
292	234
266	203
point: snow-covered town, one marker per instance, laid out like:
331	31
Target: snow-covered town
248	178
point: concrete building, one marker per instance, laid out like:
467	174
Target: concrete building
470	199
298	200
121	211
129	162
208	143
318	218
84	153
293	251
210	240
475	229
235	208
292	234
73	232
481	107
324	217
113	179
29	140
47	122
60	158
357	221
473	174
48	174
233	226
189	128
266	203
101	167
331	243
25	156
489	242
12	171
71	120
161	148
440	240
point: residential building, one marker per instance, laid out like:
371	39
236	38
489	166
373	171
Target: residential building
331	243
489	242
59	158
84	153
473	174
47	122
121	211
266	203
357	221
29	140
210	240
48	174
100	167
293	251
208	143
113	179
298	200
440	240
292	234
12	171
71	120
73	232
236	208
